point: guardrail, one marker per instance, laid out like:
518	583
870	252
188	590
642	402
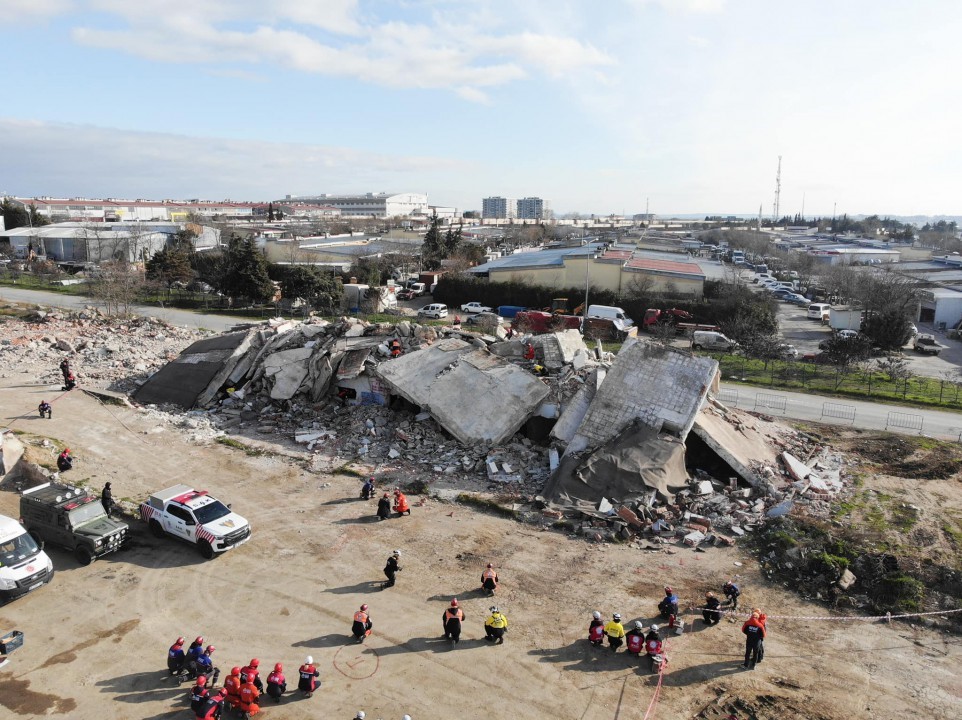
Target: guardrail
728	397
839	412
772	402
904	421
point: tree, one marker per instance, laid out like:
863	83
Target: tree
314	287
888	329
846	351
433	250
750	323
170	265
245	272
16	215
117	285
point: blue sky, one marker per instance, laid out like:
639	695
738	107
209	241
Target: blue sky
595	106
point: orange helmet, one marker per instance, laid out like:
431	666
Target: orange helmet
235	671
201	679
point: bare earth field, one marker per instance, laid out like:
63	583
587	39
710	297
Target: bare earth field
96	638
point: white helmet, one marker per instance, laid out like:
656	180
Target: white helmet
596	615
654	628
397	552
309	660
638	624
406	717
360	715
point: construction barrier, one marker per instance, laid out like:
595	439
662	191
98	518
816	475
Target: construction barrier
904	421
728	397
839	412
771	402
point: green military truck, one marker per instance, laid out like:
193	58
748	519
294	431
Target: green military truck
71	518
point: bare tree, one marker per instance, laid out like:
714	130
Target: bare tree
117	286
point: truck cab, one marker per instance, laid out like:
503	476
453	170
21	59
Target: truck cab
73	519
196	517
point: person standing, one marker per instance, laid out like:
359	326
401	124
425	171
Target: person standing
65	368
596	630
107	499
489	580
307	674
451	622
46	409
615	632
495	626
384	507
754	630
711	611
392	567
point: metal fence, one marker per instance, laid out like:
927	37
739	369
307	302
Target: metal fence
728	397
839	412
904	421
771	402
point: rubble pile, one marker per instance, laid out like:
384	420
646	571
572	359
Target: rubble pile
103	351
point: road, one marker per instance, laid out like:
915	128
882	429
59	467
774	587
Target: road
844	411
183	318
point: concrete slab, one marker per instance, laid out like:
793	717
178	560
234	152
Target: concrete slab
732	435
287	369
451	376
194	377
659	386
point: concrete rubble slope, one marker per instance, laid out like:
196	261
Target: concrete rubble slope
732	435
559	348
196	375
659	386
474	395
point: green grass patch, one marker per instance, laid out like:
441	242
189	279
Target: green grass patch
243	447
487	505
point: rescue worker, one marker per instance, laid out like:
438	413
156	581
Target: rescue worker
635	639
195	650
528	351
204	664
615	632
384	507
395	348
69	382
457	321
248	698
362	624
107	499
451	622
307	681
392	567
360	715
64	460
754	630
495	626
250	673
596	630
65	368
669	604
176	657
232	686
731	593
213	706
711	612
489	579
653	645
401	503
367	489
46	410
277	683
198	694
539	370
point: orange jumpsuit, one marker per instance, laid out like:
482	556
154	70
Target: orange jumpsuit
232	685
401	504
248	698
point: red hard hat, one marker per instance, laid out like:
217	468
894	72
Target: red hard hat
385	494
201	679
364	607
490	565
255	663
180	641
210	649
371	479
667	589
199	640
454	603
278	668
235	671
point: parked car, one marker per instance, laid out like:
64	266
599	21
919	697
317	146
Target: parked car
848	334
406	294
781	293
925	343
819	358
711	340
787	352
434	310
795	299
485	319
475	307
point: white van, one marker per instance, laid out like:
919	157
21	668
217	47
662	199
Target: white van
434	310
611	313
817	311
24	566
711	340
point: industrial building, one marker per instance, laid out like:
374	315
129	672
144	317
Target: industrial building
500	208
117	210
373	205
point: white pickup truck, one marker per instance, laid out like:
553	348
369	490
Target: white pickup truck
195	517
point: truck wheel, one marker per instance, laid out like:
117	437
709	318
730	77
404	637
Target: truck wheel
155	529
83	556
205	549
696	347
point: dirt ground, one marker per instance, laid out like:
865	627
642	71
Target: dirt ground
96	638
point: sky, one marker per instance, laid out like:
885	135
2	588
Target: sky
600	106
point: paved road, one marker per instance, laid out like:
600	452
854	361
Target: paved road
845	412
183	318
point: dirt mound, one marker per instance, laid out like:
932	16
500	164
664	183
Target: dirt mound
913	458
760	707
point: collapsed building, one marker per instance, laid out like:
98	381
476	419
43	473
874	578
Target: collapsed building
623	445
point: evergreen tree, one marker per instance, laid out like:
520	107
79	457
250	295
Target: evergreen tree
245	272
433	249
169	265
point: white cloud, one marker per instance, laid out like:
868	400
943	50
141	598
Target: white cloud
21	11
69	160
337	39
691	6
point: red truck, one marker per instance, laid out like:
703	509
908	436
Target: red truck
537	322
681	320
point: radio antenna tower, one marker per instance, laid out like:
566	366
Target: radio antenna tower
778	189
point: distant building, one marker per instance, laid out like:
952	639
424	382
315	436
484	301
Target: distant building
118	210
531	208
498	208
377	205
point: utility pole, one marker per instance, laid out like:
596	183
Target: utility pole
778	189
